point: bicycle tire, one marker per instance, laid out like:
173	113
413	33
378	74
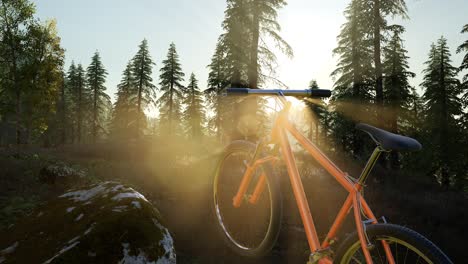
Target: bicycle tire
274	225
421	247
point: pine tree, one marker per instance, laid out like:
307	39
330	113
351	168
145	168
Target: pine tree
142	69
170	101
81	100
218	80
378	11
353	77
464	67
247	25
397	89
442	106
317	116
96	78
124	114
71	90
235	41
194	114
264	24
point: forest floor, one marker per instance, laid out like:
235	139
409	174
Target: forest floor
181	189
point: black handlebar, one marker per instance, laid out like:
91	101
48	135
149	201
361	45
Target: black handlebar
268	92
237	91
320	93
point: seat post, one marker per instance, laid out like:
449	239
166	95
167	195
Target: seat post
370	164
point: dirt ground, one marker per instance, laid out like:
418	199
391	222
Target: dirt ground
181	190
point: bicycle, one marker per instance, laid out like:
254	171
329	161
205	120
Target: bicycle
249	215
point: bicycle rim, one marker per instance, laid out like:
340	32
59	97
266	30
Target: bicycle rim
245	227
402	251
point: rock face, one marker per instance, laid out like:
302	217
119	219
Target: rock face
104	223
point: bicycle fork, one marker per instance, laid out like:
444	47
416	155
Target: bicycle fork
247	178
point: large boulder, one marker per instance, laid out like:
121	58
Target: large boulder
103	223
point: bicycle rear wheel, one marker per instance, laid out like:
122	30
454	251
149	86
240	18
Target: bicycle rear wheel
251	229
406	245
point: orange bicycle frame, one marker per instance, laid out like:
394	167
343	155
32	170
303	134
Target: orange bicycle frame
354	199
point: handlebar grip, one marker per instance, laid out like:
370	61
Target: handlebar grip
320	93
237	91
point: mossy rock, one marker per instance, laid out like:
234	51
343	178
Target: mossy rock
61	173
103	223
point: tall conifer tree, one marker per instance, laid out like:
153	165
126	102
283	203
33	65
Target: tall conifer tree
378	11
397	89
81	100
125	107
217	81
353	76
464	68
142	68
194	114
170	101
96	78
442	106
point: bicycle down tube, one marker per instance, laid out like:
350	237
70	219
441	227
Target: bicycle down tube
354	200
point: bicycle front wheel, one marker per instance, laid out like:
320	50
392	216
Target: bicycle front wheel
251	229
406	246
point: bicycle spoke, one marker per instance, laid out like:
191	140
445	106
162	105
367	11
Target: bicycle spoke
396	246
406	255
378	252
357	261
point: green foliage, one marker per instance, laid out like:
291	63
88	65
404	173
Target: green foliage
353	88
442	109
125	109
246	60
264	28
220	105
96	78
30	70
319	117
173	91
142	68
397	89
194	113
464	68
81	98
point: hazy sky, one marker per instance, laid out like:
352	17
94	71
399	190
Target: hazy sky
116	27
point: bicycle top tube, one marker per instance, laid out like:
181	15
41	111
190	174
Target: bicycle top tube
315	93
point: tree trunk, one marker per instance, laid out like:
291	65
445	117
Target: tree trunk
247	110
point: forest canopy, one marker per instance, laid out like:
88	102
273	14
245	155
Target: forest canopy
44	103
